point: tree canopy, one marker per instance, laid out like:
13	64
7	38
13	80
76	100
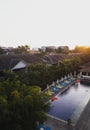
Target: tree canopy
20	105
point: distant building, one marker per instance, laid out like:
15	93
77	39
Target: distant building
7	50
35	48
34	51
63	49
43	48
48	48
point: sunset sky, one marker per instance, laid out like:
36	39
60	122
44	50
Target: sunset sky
44	22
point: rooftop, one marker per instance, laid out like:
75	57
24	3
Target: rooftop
6	61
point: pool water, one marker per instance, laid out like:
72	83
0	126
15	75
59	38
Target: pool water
70	103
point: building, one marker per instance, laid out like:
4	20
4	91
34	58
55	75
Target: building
18	61
85	73
63	49
48	48
54	58
85	70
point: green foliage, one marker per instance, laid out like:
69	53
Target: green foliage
20	105
41	75
69	65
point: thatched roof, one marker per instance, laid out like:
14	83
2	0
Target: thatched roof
85	70
54	58
9	61
85	67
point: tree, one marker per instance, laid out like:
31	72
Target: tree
1	50
21	105
80	49
22	49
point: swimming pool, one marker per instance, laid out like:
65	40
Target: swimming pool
70	103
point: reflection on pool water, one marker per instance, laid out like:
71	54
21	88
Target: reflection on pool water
71	103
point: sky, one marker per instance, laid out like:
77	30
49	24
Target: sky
44	23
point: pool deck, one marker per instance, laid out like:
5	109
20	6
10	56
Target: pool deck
83	122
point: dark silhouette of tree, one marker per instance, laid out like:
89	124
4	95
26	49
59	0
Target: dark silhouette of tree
21	49
1	50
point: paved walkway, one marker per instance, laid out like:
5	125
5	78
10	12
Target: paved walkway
57	125
82	124
84	120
